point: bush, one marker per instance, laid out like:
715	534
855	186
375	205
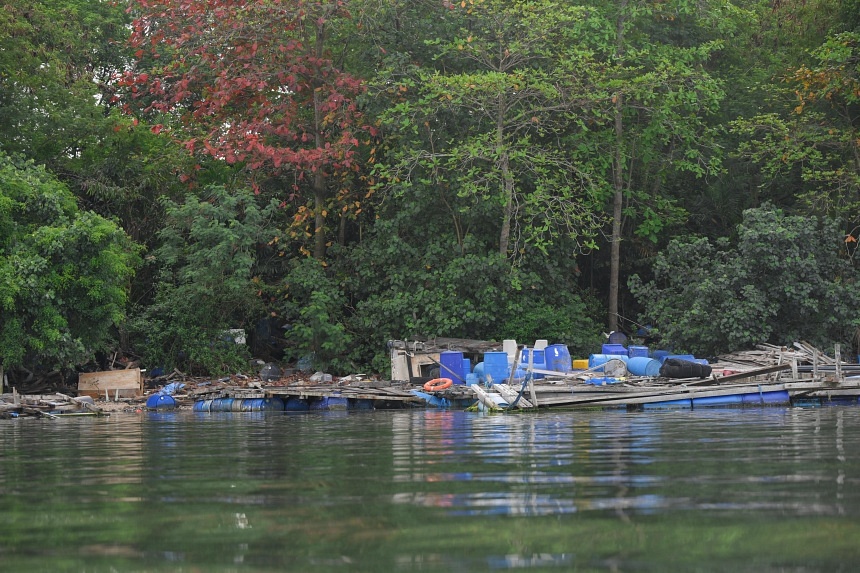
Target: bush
206	284
64	273
782	281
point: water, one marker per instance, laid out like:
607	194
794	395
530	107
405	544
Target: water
722	490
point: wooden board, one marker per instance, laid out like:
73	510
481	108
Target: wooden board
125	383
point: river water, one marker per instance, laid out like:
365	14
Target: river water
775	489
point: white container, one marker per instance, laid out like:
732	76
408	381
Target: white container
510	346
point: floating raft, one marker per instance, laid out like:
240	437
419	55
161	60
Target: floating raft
307	398
57	405
754	388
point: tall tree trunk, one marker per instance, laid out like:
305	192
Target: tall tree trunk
319	216
319	184
618	165
507	181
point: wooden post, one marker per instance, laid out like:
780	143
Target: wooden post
837	353
815	365
794	374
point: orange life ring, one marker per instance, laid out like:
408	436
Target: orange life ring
438	384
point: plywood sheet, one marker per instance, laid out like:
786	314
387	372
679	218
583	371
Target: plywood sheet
125	383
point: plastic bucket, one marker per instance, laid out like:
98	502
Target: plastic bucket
496	366
643	366
452	366
558	358
637	351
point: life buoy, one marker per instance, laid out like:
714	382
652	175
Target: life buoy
438	384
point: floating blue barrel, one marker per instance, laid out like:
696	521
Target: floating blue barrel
222	405
202	405
360	404
262	404
683	403
718	401
296	404
557	358
467	366
160	402
330	403
496	366
614	349
769	398
637	351
452	366
643	366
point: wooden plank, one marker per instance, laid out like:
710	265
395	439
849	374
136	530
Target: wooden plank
664	395
510	394
125	383
484	397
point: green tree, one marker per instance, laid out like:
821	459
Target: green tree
207	281
481	120
64	273
814	149
657	95
785	279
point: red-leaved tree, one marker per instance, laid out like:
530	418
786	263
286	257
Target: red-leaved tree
251	82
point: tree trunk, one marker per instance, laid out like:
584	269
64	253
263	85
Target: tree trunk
617	184
507	181
319	178
319	217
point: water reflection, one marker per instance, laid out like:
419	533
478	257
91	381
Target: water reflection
561	464
432	490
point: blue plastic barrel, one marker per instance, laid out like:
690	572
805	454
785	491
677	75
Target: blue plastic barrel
160	402
637	351
660	355
496	366
558	358
643	366
614	349
296	404
452	366
467	366
538	362
598	359
222	405
202	405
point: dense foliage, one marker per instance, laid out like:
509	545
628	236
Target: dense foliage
331	174
782	279
63	272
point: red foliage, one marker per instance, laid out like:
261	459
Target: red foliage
250	80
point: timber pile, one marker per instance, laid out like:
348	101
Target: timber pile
52	406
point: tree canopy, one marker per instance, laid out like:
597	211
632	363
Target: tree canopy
331	174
